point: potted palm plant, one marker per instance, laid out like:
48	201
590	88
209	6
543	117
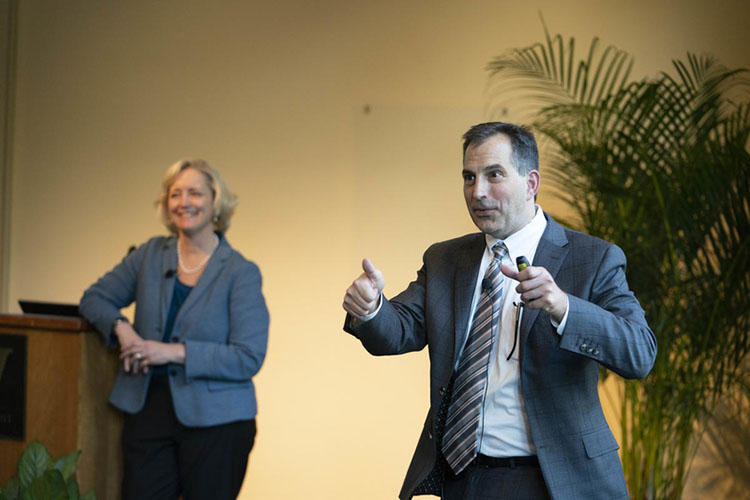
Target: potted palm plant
661	167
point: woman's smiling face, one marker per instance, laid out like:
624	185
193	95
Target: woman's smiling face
190	202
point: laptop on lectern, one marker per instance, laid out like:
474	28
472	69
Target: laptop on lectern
52	308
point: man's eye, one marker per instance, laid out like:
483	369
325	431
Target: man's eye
468	178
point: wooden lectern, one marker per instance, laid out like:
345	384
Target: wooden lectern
69	373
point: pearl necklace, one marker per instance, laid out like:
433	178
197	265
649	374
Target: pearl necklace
202	263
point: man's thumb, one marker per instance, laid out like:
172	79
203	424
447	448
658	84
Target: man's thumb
509	272
373	273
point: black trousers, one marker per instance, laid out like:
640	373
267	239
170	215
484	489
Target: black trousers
165	459
478	482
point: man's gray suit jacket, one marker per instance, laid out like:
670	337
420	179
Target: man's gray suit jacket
559	374
223	324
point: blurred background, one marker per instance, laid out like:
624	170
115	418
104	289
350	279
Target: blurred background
337	124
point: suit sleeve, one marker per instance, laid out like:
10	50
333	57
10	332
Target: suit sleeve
611	327
102	301
399	325
240	357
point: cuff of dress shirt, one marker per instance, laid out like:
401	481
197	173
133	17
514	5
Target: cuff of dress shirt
355	322
560	327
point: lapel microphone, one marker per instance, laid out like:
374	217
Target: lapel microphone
169	273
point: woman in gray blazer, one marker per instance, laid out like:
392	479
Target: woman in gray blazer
199	336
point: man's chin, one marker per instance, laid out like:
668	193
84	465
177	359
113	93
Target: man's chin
485	226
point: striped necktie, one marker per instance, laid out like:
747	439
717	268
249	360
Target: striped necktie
460	441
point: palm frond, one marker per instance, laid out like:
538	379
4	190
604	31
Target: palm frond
549	73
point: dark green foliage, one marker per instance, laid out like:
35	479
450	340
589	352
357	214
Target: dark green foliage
660	167
42	478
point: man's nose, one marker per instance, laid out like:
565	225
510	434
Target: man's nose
480	189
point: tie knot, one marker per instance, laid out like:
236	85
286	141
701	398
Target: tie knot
499	250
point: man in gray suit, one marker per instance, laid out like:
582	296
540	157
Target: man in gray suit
515	353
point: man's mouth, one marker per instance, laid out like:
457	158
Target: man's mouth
483	211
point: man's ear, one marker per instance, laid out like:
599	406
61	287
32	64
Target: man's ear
532	184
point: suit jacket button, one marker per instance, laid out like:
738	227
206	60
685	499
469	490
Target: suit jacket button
442	391
175	339
172	372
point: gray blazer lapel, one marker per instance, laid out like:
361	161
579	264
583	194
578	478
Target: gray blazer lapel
210	274
168	274
550	255
465	282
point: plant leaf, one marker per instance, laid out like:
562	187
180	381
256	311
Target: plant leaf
34	461
11	488
73	493
67	464
50	486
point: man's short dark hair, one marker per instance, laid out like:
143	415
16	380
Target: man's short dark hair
525	154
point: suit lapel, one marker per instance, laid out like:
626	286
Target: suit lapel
168	273
550	255
464	284
210	274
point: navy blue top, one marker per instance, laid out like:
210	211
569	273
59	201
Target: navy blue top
181	291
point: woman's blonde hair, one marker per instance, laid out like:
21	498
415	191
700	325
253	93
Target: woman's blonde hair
224	199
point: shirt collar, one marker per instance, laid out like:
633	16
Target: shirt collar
525	240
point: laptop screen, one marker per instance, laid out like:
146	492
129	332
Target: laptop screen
53	308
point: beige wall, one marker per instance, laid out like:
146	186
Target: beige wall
8	10
108	94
